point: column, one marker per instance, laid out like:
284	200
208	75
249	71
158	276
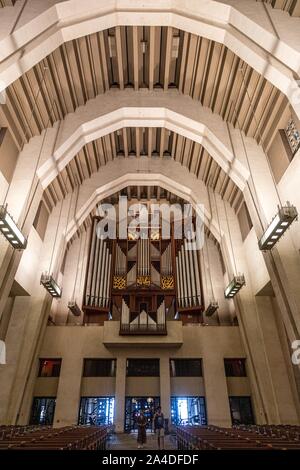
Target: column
286	403
68	392
216	394
13	341
165	387
120	394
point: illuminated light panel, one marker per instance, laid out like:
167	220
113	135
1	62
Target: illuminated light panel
50	285
281	222
234	286
211	309
74	309
10	230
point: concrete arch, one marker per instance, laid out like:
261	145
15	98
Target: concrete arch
118	109
246	34
169	175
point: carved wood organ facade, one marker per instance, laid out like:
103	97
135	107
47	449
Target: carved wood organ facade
142	282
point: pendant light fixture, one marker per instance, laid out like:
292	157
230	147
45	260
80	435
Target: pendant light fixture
10	230
51	285
279	225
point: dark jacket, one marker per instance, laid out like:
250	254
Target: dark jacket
159	421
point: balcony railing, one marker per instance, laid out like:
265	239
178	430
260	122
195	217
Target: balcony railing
139	329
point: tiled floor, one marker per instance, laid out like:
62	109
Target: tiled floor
129	442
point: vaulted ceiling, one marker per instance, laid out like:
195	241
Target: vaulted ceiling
149	58
142	194
137	142
291	6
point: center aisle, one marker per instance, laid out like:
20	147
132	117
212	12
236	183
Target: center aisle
129	442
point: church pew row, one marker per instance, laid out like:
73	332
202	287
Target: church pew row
213	437
9	431
67	438
284	431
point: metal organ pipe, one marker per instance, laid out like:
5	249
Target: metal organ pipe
197	275
106	278
117	260
188	274
184	294
143	256
170	259
103	278
178	280
161	314
90	270
148	257
192	277
184	280
166	261
95	270
99	281
125	313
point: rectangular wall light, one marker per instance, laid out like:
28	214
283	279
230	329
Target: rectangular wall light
281	222
10	230
234	286
50	285
211	309
73	307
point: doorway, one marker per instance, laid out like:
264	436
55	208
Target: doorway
42	411
241	410
133	405
188	410
96	411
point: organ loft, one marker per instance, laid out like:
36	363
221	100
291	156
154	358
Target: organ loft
149	232
144	280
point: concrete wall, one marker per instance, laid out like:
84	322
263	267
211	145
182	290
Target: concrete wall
73	344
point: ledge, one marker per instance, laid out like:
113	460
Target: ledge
112	338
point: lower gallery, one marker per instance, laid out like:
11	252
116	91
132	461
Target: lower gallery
149	250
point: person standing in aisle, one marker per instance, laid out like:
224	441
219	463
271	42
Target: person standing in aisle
159	428
141	424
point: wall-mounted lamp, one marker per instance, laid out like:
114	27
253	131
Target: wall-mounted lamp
11	231
74	309
234	286
211	309
280	223
50	285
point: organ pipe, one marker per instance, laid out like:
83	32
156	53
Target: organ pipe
100	277
102	299
197	275
161	313
89	272
144	257
188	274
108	279
166	261
95	271
125	313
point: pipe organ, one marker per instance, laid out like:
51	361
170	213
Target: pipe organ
189	291
142	282
98	277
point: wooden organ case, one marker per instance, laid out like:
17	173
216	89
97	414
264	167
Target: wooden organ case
142	282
